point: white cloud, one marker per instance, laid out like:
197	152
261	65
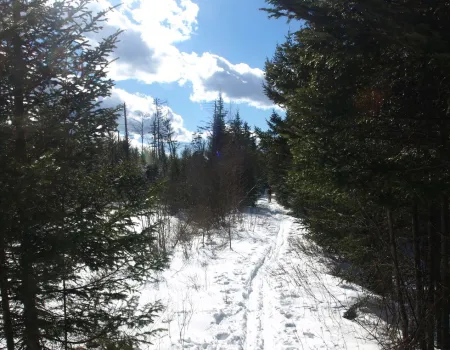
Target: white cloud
147	53
239	83
138	104
165	22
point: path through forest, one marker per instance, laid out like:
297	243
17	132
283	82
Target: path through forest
264	293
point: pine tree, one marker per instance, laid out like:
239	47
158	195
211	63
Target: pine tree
218	127
366	91
277	157
69	254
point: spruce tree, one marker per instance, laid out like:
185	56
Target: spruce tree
218	128
277	157
366	91
71	259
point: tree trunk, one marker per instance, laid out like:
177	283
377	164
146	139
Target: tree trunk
430	317
142	137
444	272
127	144
28	287
229	235
28	298
397	274
445	325
419	278
438	281
4	290
65	313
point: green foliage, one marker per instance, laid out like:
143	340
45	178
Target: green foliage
276	157
366	135
72	261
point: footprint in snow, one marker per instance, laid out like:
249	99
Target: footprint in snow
219	317
222	279
235	340
309	335
222	336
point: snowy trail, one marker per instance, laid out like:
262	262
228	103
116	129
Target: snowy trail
261	294
259	308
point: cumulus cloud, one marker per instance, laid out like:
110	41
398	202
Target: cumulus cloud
134	55
148	53
139	105
239	83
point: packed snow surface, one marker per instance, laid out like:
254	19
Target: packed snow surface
263	293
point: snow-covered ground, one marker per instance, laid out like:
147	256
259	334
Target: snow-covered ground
261	294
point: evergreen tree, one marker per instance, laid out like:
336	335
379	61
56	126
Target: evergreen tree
218	127
71	261
277	157
366	91
217	176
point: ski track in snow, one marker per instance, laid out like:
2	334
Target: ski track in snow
246	298
258	308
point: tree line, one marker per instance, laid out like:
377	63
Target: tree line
362	155
218	173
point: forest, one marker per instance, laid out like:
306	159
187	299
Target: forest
358	151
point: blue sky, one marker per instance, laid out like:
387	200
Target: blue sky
187	51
